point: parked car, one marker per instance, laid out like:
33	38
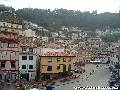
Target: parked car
113	81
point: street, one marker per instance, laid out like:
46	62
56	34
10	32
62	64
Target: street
8	87
100	78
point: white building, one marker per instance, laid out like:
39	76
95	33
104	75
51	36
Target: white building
27	62
102	57
74	36
113	59
29	33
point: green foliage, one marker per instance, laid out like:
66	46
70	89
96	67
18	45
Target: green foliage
111	37
52	20
66	17
4	8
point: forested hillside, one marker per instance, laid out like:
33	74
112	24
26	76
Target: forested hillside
63	17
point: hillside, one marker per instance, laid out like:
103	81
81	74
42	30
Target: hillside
53	20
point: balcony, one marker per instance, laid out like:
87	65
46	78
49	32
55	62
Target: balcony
27	52
9	40
7	59
9	32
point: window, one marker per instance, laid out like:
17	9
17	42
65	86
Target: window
58	67
30	66
70	59
69	67
64	59
112	62
31	49
24	57
116	56
23	66
42	66
12	64
49	59
49	68
30	57
8	44
4	24
58	59
3	64
117	63
24	49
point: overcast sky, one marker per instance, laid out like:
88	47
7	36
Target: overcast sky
83	5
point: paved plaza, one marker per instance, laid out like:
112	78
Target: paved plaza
99	77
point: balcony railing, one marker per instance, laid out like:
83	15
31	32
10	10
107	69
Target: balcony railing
9	40
27	52
9	32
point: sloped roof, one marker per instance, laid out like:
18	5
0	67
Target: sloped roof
56	52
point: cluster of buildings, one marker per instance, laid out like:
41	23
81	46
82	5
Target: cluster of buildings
25	55
21	57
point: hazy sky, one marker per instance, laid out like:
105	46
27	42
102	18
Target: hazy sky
83	5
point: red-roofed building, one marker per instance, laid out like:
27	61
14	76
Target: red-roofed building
55	64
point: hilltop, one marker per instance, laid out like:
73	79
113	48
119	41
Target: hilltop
54	19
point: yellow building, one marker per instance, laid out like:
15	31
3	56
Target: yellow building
87	56
56	64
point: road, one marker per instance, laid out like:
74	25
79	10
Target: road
100	78
8	87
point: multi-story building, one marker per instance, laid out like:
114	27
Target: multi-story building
86	56
41	42
9	43
74	36
27	61
55	64
114	58
79	59
102	56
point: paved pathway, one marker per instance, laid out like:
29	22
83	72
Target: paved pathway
100	78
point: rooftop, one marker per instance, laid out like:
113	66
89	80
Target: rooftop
56	52
28	45
10	17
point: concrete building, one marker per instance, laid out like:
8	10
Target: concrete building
41	42
113	59
9	44
86	56
29	33
27	62
55	64
74	36
102	57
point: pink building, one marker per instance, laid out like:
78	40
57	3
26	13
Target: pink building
9	50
